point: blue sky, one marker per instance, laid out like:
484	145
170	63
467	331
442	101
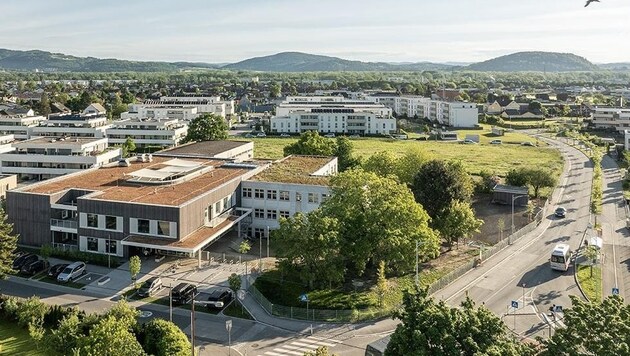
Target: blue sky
368	30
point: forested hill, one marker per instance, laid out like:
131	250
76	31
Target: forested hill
535	62
57	62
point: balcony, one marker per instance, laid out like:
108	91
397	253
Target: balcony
63	225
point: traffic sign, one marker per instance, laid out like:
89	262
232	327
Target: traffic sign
304	297
228	325
240	294
615	291
514	304
558	309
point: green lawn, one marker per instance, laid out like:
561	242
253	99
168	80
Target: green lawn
494	158
235	310
16	342
591	285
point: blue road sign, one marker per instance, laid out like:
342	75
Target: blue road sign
514	304
615	291
304	298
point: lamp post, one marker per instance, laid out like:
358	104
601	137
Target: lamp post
514	199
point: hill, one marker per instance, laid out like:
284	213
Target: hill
535	62
304	62
616	66
58	62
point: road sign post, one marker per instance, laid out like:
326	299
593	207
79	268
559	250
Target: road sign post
615	291
514	306
228	327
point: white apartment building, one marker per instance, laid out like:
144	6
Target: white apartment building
295	184
611	118
147	132
180	107
46	157
157	112
19	125
72	125
332	115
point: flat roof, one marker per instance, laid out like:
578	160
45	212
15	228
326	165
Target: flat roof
205	149
296	170
114	183
56	141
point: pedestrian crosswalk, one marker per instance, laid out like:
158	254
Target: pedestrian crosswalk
300	346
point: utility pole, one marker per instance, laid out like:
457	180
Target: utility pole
268	237
192	324
170	301
109	250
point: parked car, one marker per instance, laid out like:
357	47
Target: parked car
528	143
73	271
55	270
496	142
249	135
150	287
560	212
19	262
469	142
261	134
183	293
355	136
219	298
285	135
233	128
34	268
330	135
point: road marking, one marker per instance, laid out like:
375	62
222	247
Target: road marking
270	353
320	339
289	352
310	346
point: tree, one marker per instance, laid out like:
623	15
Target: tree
244	247
383	163
517	177
207	127
110	338
592	329
591	253
311	143
64	338
434	328
320	351
381	221
124	313
343	151
134	266
381	282
310	245
128	147
44	105
540	178
457	221
8	244
234	280
275	90
438	183
163	338
501	227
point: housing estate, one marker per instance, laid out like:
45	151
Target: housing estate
611	118
147	132
185	107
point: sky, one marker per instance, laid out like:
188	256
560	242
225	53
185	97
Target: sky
387	31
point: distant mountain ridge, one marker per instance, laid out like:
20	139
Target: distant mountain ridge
299	62
304	62
535	62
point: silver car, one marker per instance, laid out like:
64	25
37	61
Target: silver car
71	272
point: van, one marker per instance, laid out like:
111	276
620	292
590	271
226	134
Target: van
183	293
71	272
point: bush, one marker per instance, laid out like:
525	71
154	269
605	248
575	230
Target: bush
92	258
56	313
162	338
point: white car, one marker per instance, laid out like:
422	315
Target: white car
330	135
496	142
469	142
261	134
71	272
285	135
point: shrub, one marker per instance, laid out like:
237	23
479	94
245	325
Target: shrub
92	258
162	338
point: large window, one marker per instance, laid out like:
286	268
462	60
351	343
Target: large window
143	226
226	203
110	222
164	228
325	196
284	195
247	192
313	198
284	214
298	196
92	244
217	208
110	246
272	215
259	193
272	194
92	220
259	213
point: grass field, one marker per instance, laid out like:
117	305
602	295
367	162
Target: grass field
591	285
484	156
16	342
235	310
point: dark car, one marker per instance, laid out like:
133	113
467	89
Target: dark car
561	212
150	287
19	262
219	298
54	271
183	293
34	268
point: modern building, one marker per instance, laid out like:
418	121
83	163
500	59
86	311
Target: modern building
237	151
294	184
19	126
47	157
332	115
86	125
185	108
147	132
177	203
7	182
611	118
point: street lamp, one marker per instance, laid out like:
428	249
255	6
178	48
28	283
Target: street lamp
514	197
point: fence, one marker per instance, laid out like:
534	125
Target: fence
357	315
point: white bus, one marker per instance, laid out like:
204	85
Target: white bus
560	257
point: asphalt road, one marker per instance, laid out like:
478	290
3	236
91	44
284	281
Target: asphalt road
523	275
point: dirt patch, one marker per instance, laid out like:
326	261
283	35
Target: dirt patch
490	213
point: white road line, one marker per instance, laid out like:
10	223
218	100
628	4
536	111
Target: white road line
310	346
324	339
272	353
284	351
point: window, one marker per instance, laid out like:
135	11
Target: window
110	222
226	203
259	194
217	207
284	195
298	196
143	226
247	192
92	244
92	220
110	246
325	196
272	215
272	194
164	228
284	214
259	213
313	198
